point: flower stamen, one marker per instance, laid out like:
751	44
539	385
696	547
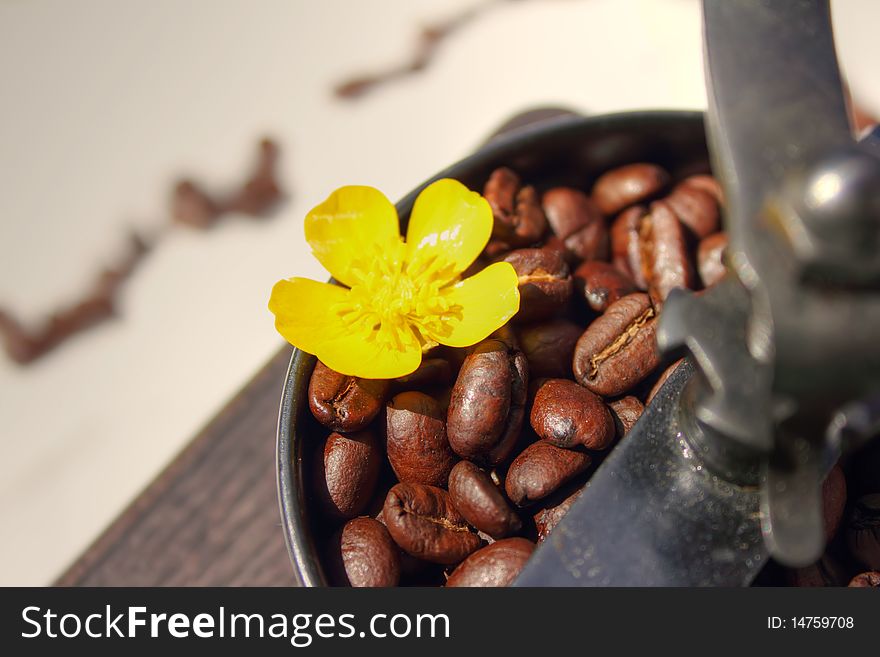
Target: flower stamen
396	300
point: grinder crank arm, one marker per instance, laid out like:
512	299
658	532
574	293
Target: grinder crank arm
724	467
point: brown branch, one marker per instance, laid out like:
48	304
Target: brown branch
97	305
429	42
256	197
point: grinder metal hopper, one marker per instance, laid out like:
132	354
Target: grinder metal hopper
725	466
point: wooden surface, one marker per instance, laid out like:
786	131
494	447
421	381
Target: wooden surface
211	518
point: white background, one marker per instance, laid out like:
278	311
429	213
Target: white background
104	102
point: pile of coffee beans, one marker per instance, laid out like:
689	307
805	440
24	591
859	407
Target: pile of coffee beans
452	474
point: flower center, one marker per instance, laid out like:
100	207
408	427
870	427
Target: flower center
396	299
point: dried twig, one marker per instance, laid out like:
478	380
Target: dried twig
256	197
428	44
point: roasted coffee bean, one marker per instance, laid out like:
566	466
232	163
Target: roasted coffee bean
431	372
568	210
625	411
590	243
566	415
486	407
496	248
664	254
417	446
652	248
344	403
661	380
866	580
577	221
707	184
494	565
553	243
710	258
363	555
519	219
510	437
863	532
547	518
481	502
507	335
618	349
628	185
541	469
545	283
347	472
530	224
424	522
601	284
500	191
549	347
409	565
626	249
833	500
695	208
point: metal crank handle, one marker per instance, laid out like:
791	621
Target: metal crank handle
789	339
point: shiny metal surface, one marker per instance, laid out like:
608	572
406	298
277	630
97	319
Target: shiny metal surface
779	345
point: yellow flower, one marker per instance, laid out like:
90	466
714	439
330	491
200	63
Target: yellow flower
402	296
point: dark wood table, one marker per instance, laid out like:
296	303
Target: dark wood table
211	517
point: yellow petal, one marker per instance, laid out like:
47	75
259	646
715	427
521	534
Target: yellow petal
355	355
485	302
306	316
354	223
303	310
449	220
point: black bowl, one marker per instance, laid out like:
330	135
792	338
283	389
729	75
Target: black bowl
567	150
